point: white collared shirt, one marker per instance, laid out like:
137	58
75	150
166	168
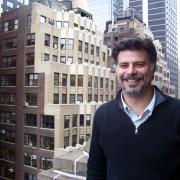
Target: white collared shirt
138	120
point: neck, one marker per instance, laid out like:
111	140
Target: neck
139	102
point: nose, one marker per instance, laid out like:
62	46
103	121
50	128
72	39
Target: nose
131	70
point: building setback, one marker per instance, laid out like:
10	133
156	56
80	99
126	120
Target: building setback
162	20
53	76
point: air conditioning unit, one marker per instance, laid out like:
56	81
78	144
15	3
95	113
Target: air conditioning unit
25	104
3	131
81	136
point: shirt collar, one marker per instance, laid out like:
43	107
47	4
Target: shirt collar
149	108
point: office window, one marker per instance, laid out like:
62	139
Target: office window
81	120
79	60
30	160
31	79
80	46
9	4
96	82
70	60
101	97
80	97
106	97
47	121
104	56
30	120
30	39
10	43
107	83
30	140
64	79
47	142
112	85
66	121
86	49
74	140
70	44
29	59
7	154
7	117
31	99
46	163
88	119
46	57
74	120
6	25
89	97
28	20
66	141
80	80
58	24
9	61
47	40
63	59
101	82
56	79
55	58
16	23
72	80
43	19
97	51
28	176
63	43
65	24
89	81
81	139
7	135
8	80
92	49
56	99
96	97
55	42
64	98
8	98
72	99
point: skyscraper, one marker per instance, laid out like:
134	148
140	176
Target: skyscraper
105	10
53	76
162	20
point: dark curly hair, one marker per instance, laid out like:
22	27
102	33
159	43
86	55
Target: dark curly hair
136	43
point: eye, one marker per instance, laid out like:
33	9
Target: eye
124	65
140	64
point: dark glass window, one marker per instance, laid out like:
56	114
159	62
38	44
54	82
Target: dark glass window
31	79
47	121
30	39
7	117
46	163
30	120
30	140
66	121
56	98
31	99
81	120
29	59
9	61
47	142
47	40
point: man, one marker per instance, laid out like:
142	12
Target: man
137	135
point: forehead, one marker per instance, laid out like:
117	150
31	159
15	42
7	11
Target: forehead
132	55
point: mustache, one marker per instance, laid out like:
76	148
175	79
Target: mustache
132	77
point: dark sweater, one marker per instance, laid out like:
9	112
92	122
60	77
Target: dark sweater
117	153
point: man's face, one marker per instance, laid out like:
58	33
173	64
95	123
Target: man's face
134	72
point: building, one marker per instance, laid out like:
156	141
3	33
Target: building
7	5
132	27
162	20
53	76
105	10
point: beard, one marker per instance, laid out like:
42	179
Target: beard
133	91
